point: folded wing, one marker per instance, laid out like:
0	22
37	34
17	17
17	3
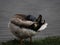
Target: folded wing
21	22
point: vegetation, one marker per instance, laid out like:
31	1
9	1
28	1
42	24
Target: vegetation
46	41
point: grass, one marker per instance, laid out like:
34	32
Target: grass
46	41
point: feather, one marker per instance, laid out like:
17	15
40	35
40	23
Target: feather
26	22
21	22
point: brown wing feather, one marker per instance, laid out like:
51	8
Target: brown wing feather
20	20
20	16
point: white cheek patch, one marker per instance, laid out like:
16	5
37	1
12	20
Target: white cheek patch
43	27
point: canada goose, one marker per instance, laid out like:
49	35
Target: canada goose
23	28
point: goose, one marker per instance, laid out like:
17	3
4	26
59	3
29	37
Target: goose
23	28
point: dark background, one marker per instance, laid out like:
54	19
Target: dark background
50	10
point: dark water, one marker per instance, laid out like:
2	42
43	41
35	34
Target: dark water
50	10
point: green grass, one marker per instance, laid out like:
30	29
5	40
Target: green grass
46	41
